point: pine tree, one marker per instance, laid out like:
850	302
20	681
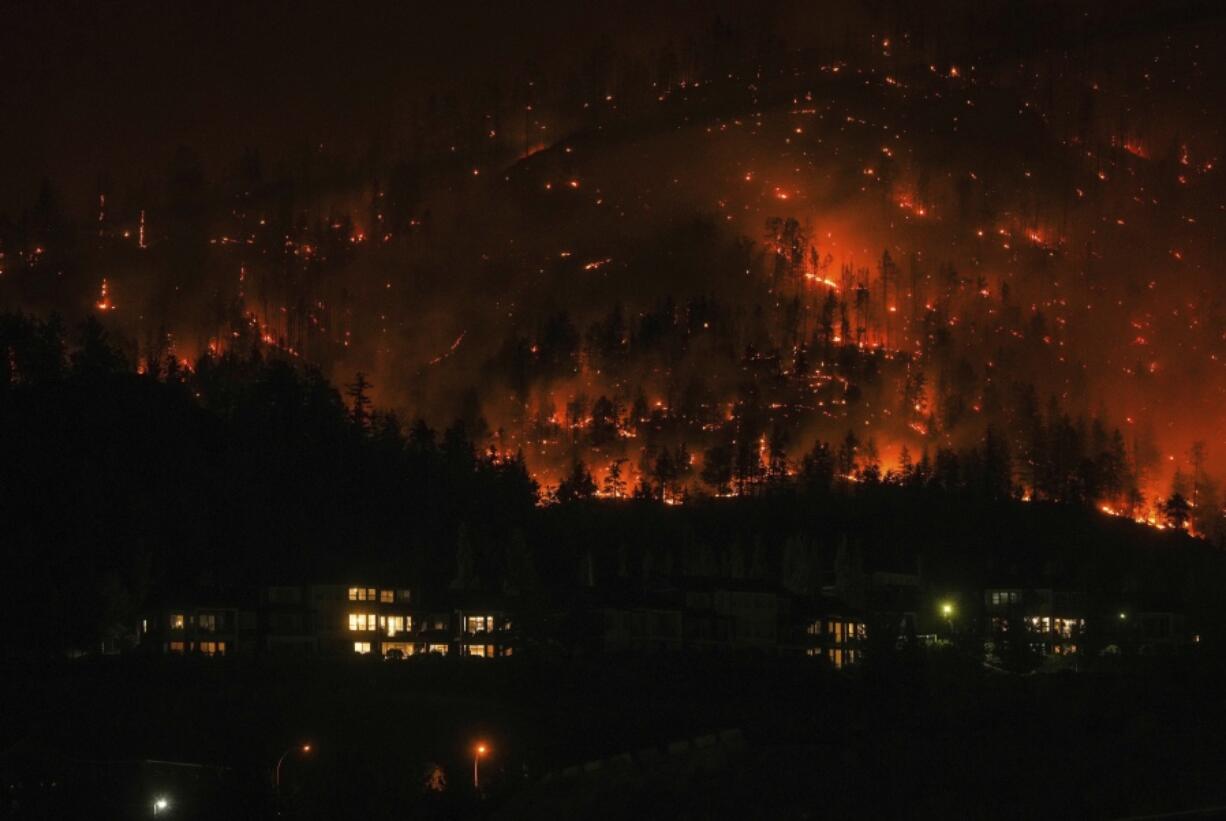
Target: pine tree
359	401
717	469
817	468
1176	511
846	462
614	486
577	486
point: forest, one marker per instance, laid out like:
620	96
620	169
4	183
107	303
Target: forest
248	469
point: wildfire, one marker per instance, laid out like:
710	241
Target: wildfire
104	300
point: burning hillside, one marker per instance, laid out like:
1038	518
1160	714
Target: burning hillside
726	272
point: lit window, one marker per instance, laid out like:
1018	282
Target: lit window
357	594
476	650
438	649
363	621
395	624
144	625
476	624
838	632
177	621
362	648
403	649
387	596
836	657
207	622
370	594
212	648
175	647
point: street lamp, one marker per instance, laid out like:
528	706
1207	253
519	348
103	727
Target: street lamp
478	751
160	804
947	612
276	773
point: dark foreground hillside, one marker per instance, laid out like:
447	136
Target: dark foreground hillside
621	737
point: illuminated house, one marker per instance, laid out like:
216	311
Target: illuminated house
387	621
382	621
830	630
481	625
1054	619
365	619
205	630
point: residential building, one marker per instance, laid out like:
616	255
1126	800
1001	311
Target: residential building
1147	624
1055	619
829	629
183	629
335	620
705	615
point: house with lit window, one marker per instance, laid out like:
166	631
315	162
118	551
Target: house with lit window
186	629
379	620
484	632
1054	619
389	622
365	619
731	615
827	628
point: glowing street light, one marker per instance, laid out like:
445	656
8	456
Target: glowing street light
478	751
276	777
947	612
160	804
